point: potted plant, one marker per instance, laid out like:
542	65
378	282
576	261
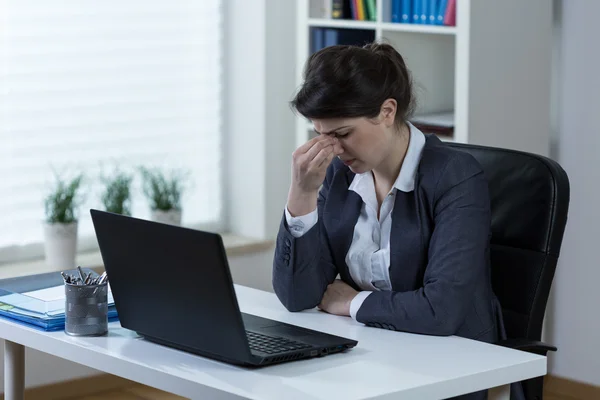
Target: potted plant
61	223
116	196
164	194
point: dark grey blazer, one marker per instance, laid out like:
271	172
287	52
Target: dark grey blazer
439	251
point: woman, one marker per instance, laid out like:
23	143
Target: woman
401	217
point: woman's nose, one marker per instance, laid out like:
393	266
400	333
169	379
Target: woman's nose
337	147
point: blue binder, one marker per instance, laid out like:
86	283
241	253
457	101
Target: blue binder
317	39
406	11
331	37
432	12
424	11
441	12
397	10
417	7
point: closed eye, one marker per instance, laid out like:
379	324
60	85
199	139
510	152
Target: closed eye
335	133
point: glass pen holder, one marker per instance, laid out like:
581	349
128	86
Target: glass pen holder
86	309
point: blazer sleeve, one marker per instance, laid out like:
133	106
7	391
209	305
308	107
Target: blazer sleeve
457	258
303	266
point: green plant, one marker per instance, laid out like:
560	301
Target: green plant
62	202
164	192
116	196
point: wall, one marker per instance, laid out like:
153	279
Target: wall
252	270
573	324
245	126
261	138
280	122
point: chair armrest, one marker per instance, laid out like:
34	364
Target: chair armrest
530	346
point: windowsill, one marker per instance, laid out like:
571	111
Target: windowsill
234	246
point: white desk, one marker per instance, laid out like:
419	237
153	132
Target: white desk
384	365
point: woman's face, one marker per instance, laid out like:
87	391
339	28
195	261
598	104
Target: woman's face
366	143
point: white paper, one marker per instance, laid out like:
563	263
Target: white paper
48	294
51	294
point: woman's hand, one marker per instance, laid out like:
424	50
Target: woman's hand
309	166
337	298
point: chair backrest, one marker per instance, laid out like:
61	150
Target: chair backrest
530	197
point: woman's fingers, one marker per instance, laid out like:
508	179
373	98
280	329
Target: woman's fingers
324	155
311	160
310	145
306	146
326	143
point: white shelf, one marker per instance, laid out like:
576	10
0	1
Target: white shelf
341	23
386	26
433	29
479	68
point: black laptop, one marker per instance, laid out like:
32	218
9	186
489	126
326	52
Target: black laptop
172	285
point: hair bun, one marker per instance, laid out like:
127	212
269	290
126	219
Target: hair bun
388	51
345	81
381	48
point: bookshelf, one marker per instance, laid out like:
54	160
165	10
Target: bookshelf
489	75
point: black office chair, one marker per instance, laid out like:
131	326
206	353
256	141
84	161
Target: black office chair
530	200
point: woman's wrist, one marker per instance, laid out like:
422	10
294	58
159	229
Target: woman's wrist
301	202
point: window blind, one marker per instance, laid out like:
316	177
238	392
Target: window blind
88	85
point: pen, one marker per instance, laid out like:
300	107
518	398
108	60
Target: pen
84	279
80	273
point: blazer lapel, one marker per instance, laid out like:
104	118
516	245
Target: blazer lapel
340	216
405	244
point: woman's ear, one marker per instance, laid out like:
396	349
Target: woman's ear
388	112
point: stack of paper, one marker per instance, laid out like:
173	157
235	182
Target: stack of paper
39	300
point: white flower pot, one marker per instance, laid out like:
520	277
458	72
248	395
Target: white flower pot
171	217
60	245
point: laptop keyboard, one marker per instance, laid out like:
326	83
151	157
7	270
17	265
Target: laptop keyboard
273	344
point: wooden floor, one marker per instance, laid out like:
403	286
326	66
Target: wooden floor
135	392
561	397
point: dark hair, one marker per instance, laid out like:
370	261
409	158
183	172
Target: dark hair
345	81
